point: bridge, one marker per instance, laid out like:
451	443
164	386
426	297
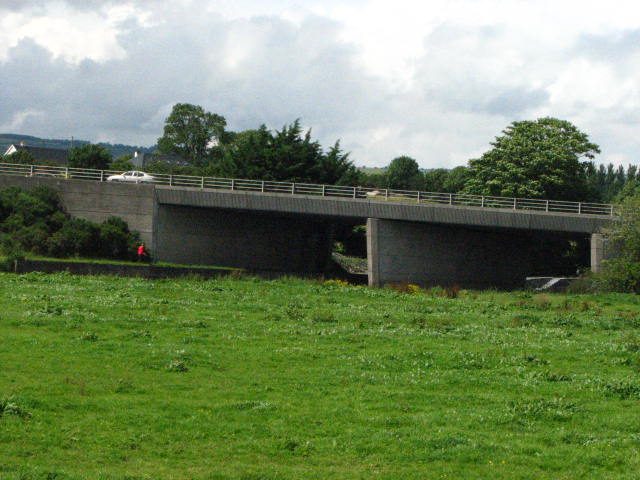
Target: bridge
419	237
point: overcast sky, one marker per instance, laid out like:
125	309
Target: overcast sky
435	80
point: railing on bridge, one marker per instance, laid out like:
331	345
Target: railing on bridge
368	193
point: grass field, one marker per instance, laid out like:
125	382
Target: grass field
112	378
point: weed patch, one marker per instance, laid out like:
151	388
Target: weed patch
11	406
622	389
542	409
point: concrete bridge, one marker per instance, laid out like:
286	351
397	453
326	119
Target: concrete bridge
421	243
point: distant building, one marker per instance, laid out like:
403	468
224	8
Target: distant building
42	155
140	159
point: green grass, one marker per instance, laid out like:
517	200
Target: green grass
120	262
114	378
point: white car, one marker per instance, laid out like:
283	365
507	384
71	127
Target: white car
133	176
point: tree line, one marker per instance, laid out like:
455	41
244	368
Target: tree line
545	158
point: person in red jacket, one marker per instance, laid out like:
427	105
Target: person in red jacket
142	253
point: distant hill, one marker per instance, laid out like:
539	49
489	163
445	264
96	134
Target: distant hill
7	139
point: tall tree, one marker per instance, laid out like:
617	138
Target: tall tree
536	159
434	179
192	134
90	156
335	168
296	157
249	155
404	173
456	179
286	155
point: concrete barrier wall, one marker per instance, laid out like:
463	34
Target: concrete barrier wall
240	239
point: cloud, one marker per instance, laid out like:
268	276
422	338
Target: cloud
434	80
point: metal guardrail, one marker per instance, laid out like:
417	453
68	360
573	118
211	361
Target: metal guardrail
368	193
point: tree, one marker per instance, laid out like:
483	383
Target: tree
456	180
89	156
622	271
295	157
335	168
122	163
193	134
23	157
434	179
404	173
535	159
289	155
250	156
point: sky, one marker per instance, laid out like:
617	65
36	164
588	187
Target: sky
436	80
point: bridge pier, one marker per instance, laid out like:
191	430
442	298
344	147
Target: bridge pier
597	251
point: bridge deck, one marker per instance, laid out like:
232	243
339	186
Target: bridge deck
374	208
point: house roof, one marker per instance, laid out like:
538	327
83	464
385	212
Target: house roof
141	159
42	154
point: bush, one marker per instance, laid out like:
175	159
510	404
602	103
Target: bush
76	237
34	222
622	272
116	241
619	275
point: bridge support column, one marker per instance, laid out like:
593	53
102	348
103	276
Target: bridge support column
597	251
428	255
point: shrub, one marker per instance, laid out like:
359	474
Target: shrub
622	273
76	237
405	287
116	241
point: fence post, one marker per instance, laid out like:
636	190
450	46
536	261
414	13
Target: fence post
293	189
418	196
31	171
170	180
386	194
579	208
451	199
233	184
262	186
547	206
515	203
202	182
354	191
66	172
324	190
102	175
482	202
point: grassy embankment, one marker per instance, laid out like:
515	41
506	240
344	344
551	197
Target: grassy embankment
111	378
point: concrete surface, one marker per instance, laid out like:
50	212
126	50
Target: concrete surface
426	244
